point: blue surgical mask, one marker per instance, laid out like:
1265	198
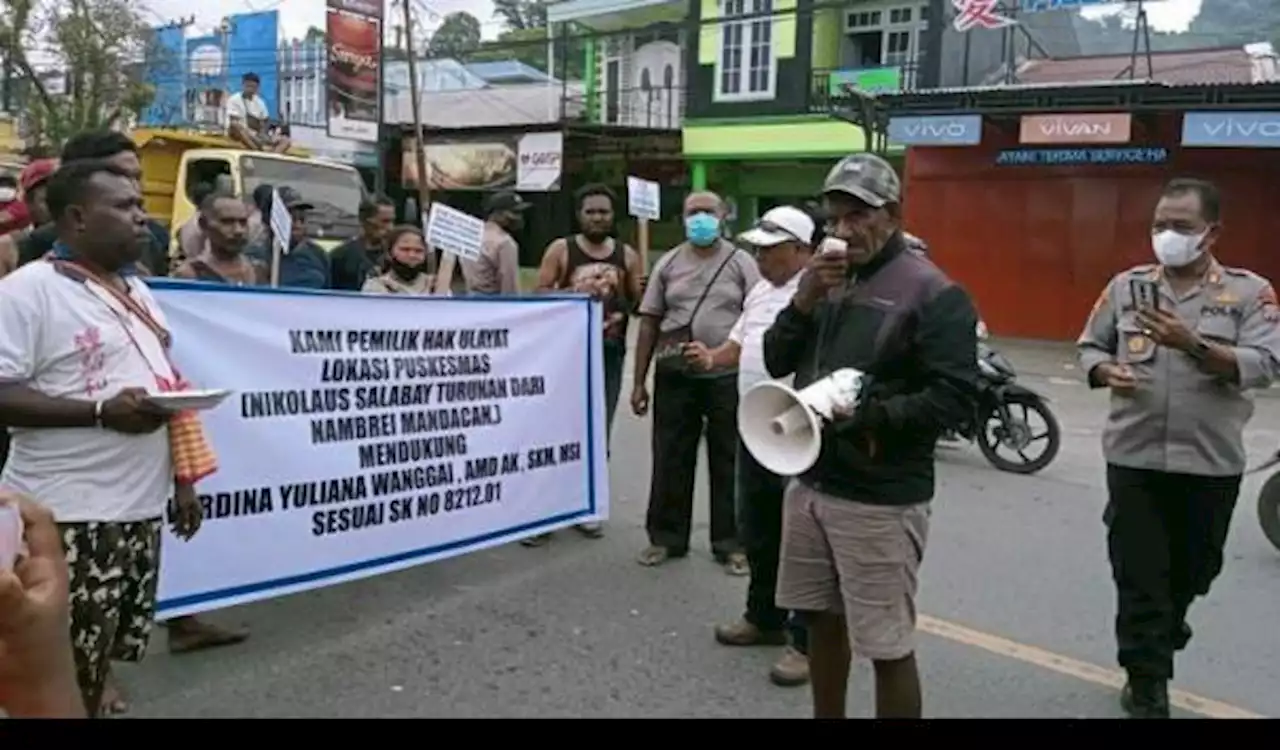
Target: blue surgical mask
702	228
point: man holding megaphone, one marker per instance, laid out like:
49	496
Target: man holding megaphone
884	324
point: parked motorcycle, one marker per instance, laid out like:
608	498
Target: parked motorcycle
1269	501
1002	416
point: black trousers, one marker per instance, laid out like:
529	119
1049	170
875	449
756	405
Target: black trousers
683	408
1165	537
760	494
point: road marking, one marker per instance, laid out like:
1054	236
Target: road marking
1072	667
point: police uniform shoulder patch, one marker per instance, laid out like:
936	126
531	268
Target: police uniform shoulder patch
1142	269
1267	303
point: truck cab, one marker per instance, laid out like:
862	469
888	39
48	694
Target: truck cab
175	163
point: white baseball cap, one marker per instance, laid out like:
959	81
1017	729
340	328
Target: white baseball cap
779	225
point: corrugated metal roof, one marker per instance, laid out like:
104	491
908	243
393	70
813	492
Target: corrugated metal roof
1232	65
492	106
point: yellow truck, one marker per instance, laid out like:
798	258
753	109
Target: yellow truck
175	162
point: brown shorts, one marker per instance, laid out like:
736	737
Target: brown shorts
857	559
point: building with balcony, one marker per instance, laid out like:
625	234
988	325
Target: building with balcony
634	59
768	77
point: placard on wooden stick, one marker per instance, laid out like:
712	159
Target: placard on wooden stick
644	202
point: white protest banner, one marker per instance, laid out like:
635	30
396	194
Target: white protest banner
454	231
371	433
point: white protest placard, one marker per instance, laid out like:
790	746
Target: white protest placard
281	222
371	433
454	232
644	199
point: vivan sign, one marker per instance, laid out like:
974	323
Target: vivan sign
943	130
1076	129
1231	129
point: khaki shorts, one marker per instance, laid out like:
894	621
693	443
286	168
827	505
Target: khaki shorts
856	559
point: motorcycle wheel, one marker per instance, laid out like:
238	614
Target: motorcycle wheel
989	445
1269	509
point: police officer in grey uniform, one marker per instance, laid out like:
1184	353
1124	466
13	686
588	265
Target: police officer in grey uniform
1174	441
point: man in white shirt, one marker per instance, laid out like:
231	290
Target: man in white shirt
81	344
783	240
248	120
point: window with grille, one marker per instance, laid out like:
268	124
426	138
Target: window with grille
746	69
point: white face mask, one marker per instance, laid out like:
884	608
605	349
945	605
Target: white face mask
8	195
1177	250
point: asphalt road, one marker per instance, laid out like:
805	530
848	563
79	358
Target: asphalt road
1016	594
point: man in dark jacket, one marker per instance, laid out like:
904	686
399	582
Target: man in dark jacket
857	520
305	265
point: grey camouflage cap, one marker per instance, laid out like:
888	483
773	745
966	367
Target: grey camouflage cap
866	177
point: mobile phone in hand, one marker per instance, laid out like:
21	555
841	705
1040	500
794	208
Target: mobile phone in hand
10	535
1146	294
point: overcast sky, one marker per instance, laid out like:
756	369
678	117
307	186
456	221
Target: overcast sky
1164	15
297	15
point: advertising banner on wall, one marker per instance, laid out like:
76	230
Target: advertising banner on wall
353	76
531	162
194	76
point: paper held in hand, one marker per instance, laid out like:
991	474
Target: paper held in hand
195	400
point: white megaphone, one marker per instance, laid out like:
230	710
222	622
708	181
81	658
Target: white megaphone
782	428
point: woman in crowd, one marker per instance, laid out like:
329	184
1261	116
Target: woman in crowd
405	271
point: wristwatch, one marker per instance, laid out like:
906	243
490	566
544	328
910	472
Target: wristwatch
97	413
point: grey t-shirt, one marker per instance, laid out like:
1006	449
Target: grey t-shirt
678	280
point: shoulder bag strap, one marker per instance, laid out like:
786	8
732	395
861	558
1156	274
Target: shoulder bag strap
710	283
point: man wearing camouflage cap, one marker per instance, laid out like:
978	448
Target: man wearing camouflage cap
856	522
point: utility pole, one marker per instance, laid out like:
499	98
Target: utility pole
420	147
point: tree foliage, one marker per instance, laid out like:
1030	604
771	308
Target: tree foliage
96	46
525	39
457	36
1236	22
520	15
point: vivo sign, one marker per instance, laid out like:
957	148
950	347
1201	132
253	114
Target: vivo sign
1231	129
960	130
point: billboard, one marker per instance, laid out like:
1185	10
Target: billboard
1103	127
353	76
165	70
1231	129
529	162
193	76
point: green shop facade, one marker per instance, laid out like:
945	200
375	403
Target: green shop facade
764	138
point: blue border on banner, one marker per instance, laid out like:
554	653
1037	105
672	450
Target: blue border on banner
355	567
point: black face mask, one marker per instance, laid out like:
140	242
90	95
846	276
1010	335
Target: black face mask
403	271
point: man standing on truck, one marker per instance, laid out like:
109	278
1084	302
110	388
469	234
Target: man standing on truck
249	122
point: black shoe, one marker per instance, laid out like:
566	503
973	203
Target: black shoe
1145	698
